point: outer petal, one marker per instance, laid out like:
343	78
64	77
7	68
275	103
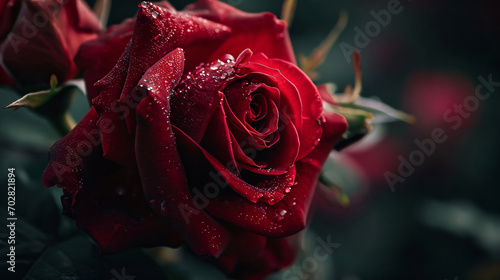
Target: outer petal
66	163
162	173
157	32
278	254
259	32
252	256
325	94
97	57
197	98
111	207
118	144
104	199
244	245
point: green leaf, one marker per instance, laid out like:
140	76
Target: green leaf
381	112
34	99
53	104
75	258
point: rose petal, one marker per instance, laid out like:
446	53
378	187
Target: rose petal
290	102
218	141
157	32
312	107
278	254
276	159
326	95
71	153
261	32
289	215
93	194
97	57
197	97
238	97
245	161
244	245
241	98
266	193
111	207
118	144
156	29
161	170
245	140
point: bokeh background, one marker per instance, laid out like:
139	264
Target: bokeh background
442	222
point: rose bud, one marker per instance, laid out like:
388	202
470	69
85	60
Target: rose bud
41	38
204	132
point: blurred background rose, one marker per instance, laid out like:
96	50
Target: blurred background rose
41	38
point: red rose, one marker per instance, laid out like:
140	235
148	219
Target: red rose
39	38
204	132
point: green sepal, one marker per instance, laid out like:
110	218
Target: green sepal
380	111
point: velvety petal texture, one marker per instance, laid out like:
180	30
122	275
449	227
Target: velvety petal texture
104	198
198	134
261	32
108	47
41	38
